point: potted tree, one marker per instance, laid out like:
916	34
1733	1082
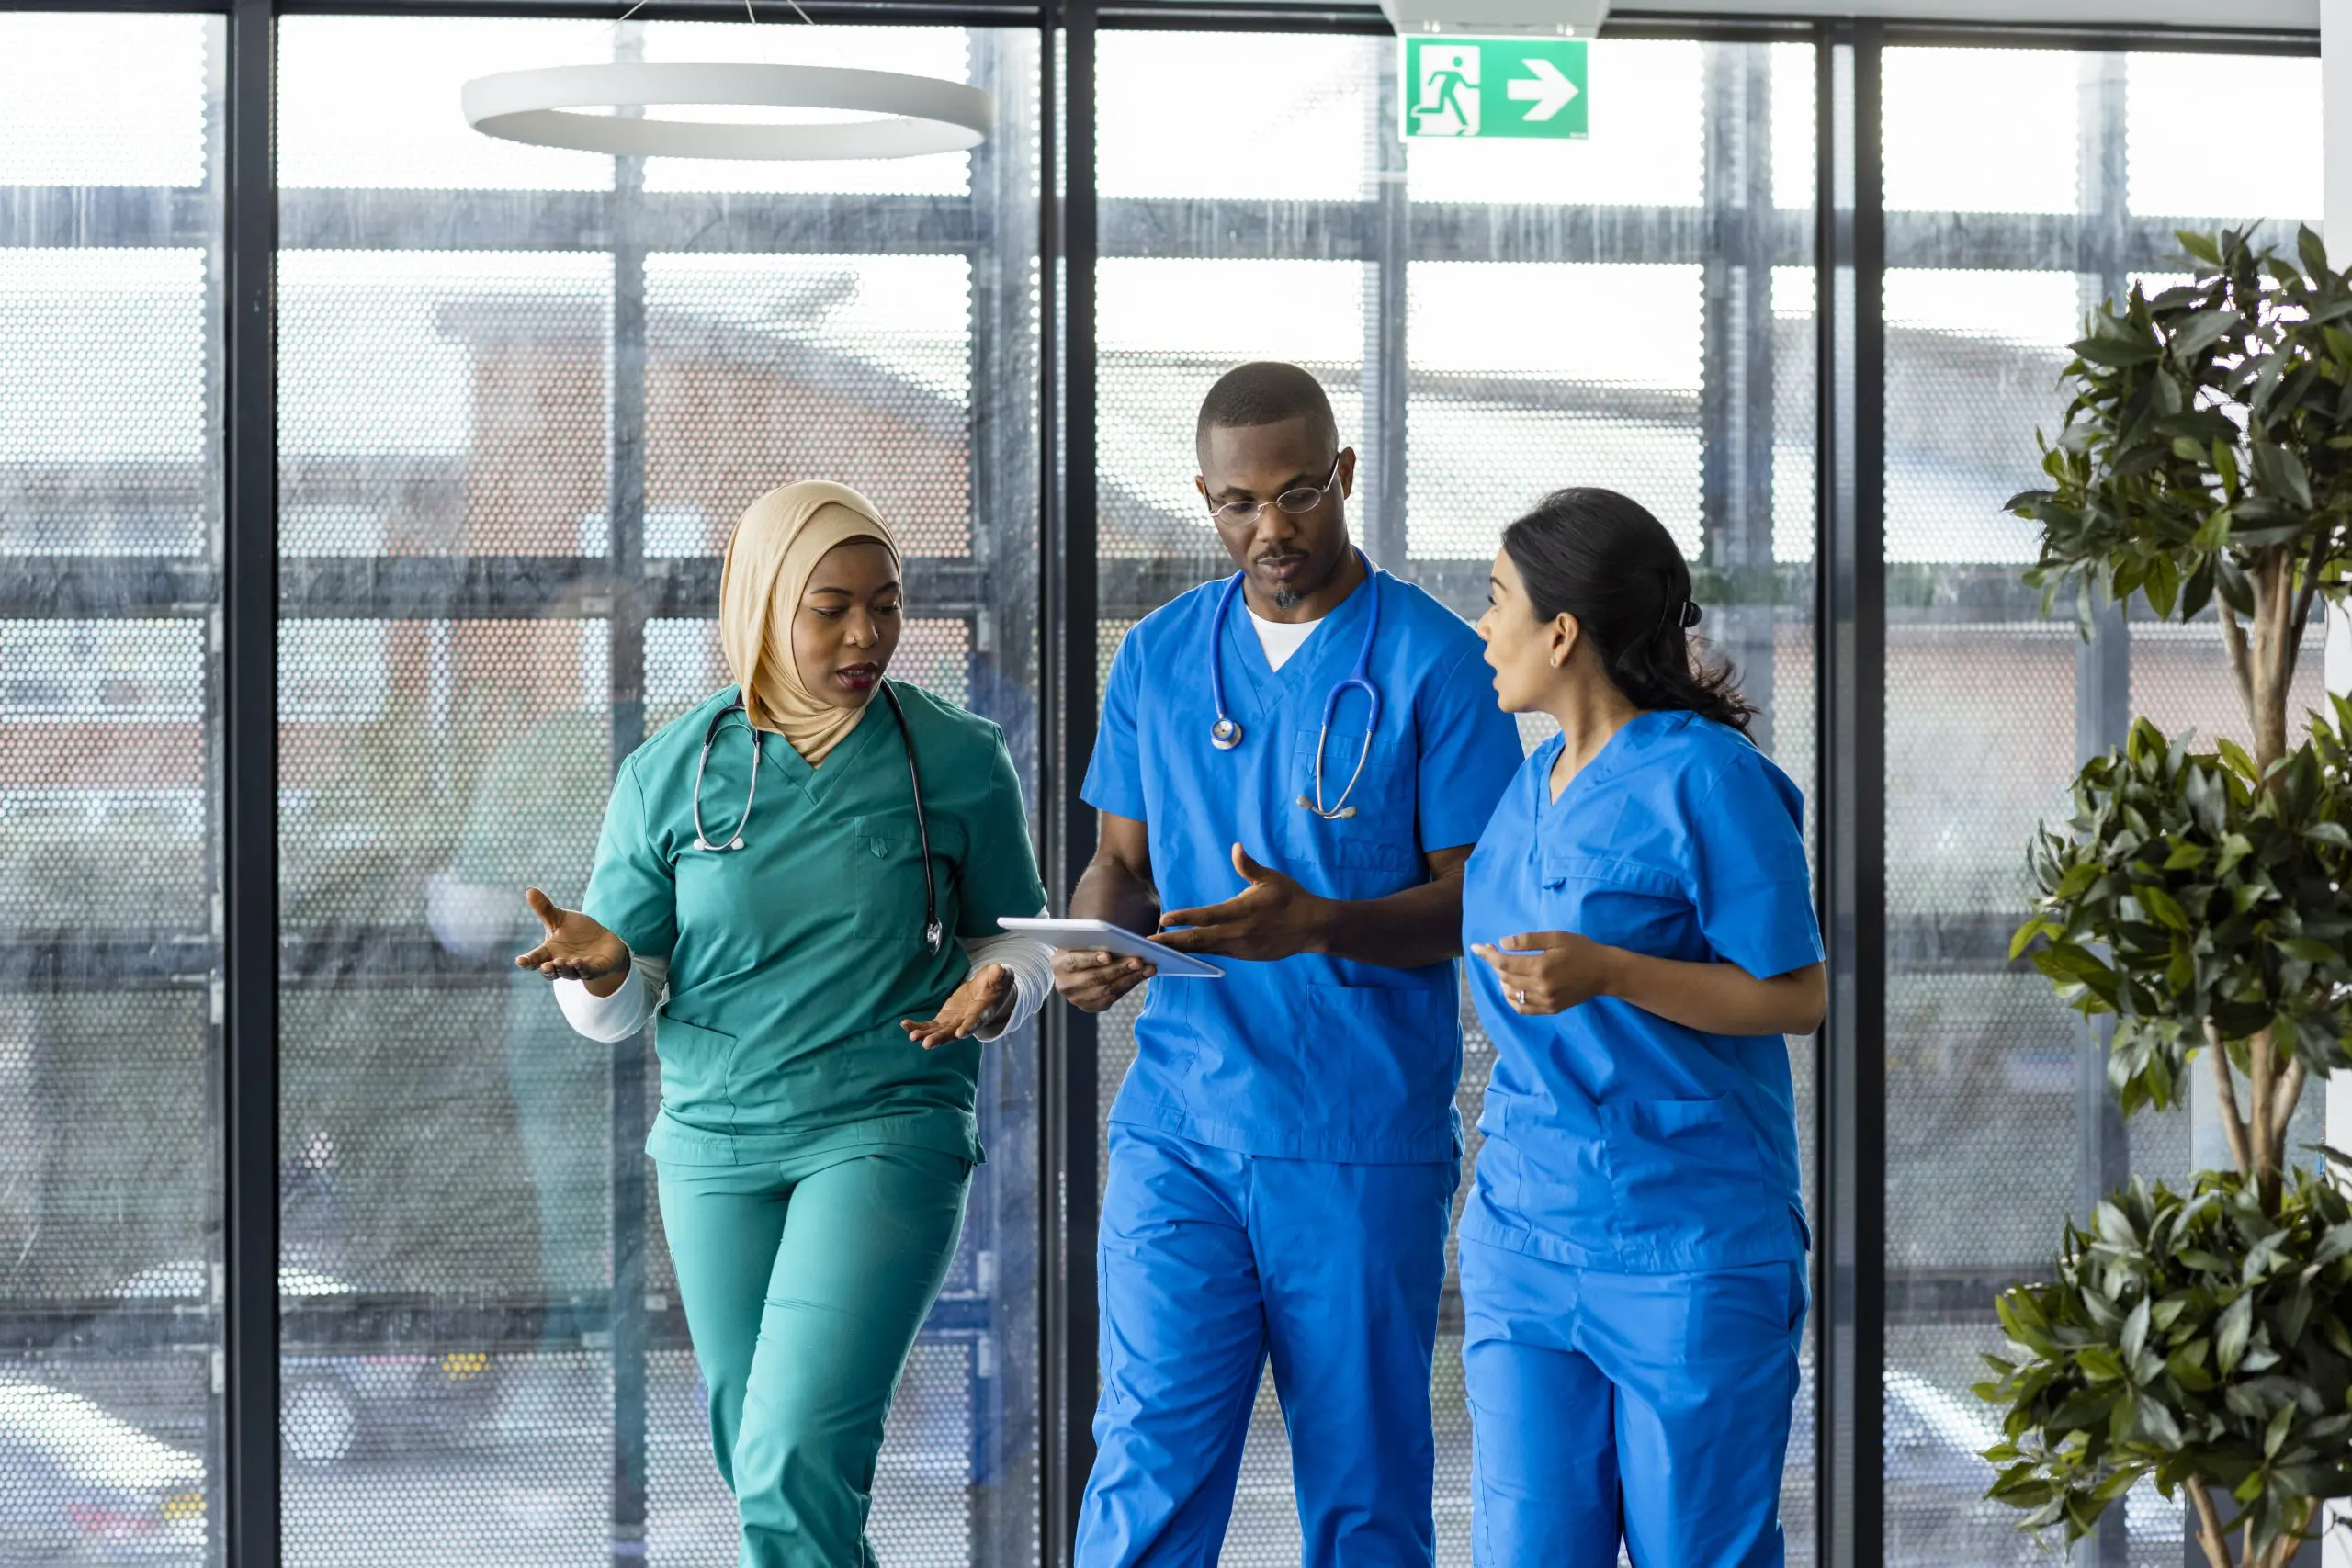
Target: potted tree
2203	899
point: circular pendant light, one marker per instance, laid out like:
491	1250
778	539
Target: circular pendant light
910	115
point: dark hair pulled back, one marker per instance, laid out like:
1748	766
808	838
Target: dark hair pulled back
1601	558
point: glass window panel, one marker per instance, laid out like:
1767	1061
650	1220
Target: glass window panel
372	103
438	401
1794	153
1972	367
449	726
1198	115
1981	1060
1515	382
1520	386
110	1202
2018	153
762	370
1989	1148
2177	165
103	369
104	100
918	52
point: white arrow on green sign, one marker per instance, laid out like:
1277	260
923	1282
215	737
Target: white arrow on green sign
1489	87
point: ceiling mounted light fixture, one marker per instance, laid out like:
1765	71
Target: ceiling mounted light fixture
910	115
900	116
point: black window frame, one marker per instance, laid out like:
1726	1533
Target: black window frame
1854	241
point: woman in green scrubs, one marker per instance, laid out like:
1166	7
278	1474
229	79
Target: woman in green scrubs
759	889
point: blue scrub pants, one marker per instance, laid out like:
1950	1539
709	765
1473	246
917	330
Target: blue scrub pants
804	1283
1652	1405
1212	1263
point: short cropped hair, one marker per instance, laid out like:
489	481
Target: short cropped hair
1266	391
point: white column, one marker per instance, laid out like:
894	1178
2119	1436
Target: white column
2335	106
2335	95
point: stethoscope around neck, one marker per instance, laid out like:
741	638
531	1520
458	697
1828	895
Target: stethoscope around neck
1226	733
934	933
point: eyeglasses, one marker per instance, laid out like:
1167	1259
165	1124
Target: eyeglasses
1301	499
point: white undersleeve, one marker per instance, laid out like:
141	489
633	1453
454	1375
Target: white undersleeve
627	1009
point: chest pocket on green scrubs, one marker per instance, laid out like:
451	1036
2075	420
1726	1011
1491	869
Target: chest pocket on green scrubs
883	882
1379	837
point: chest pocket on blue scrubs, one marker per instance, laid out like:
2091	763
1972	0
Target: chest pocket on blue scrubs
884	878
1380	836
1621	904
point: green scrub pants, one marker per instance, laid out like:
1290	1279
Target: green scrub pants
804	1283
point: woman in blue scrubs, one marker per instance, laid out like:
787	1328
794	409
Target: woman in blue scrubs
1633	1247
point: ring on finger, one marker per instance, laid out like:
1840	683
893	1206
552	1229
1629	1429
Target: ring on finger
1522	995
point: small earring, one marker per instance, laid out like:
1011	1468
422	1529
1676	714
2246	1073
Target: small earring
1555	661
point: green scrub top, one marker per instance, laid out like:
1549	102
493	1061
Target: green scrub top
794	959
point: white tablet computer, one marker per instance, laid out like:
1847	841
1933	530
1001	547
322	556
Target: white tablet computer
1102	936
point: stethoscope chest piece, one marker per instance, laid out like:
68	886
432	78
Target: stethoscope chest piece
1225	733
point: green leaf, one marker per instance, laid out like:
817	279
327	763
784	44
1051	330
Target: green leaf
2282	472
2309	251
2201	331
2118	352
2237	1327
2024	937
2276	1433
2199	247
2135	1324
2160	904
2235	847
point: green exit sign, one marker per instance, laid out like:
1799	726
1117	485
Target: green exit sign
1488	87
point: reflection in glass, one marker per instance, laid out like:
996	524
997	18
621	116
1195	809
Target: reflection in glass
109	863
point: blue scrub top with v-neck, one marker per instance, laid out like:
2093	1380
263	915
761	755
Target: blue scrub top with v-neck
794	959
1614	1138
1309	1058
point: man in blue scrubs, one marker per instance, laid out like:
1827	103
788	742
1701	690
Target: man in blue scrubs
1284	1150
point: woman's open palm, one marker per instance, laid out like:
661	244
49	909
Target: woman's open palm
576	948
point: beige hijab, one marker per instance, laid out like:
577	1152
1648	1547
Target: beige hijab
776	546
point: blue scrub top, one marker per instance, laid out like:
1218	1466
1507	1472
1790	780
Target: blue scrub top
1310	1057
1615	1139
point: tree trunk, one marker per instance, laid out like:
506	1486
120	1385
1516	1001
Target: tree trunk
2263	664
2208	1525
2263	1138
2267	667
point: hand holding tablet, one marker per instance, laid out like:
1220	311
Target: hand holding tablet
1102	936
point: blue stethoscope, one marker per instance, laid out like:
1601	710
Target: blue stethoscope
1226	733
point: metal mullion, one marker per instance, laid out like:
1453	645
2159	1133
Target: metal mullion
1002	469
625	538
706	221
837	12
1849	1323
2140	40
1070	1135
1386	372
250	1525
2102	680
1736	399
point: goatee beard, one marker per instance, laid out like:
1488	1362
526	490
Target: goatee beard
1287	598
